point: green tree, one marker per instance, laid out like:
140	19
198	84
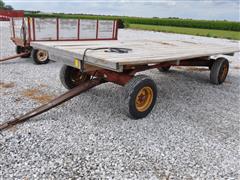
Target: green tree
2	4
8	7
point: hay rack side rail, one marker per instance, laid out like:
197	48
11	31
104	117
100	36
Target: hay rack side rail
25	30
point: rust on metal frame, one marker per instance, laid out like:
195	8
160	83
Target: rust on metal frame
115	77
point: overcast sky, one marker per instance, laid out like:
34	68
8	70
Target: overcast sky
195	9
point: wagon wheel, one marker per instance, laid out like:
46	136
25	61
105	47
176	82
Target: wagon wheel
164	69
20	49
40	56
72	77
219	71
140	95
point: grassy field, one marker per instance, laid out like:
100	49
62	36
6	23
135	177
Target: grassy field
190	31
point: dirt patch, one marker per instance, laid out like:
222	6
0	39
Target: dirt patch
6	85
37	95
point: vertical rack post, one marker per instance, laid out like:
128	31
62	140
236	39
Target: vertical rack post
13	27
113	30
116	30
57	20
29	30
78	29
97	29
33	24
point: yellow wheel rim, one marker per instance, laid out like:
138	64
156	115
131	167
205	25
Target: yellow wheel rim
144	99
225	71
42	55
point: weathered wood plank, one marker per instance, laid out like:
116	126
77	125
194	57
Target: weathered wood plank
143	51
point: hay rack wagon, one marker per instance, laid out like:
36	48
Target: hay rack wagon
90	62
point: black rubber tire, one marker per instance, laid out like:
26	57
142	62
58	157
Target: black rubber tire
219	71
164	69
20	49
69	74
36	57
131	90
210	64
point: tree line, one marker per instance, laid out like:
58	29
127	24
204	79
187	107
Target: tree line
4	6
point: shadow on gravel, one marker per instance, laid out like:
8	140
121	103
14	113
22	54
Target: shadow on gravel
188	76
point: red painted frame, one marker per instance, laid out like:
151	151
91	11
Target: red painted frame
12	13
122	78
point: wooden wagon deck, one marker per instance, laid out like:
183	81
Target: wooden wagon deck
143	52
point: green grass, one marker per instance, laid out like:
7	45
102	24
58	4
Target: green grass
190	23
190	31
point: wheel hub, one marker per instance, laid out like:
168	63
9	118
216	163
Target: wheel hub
42	55
77	77
144	99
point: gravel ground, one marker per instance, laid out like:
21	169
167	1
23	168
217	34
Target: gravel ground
192	133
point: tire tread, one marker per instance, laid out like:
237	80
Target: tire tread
215	70
129	89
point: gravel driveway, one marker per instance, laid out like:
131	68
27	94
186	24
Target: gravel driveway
193	131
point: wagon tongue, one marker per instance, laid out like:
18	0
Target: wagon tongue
53	103
14	56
